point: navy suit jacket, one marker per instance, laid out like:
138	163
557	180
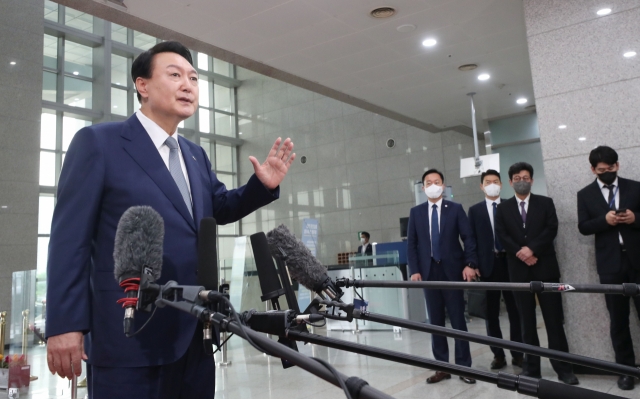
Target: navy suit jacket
483	233
109	168
454	226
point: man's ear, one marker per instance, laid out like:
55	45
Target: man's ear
141	87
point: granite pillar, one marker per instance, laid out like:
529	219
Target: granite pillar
587	94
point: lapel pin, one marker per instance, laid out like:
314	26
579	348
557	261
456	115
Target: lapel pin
194	158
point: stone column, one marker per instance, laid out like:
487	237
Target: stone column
21	33
587	94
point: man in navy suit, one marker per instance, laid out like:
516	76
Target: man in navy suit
109	168
492	264
435	254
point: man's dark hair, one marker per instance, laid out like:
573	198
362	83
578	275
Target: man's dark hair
603	154
519	167
430	171
489	172
143	64
364	233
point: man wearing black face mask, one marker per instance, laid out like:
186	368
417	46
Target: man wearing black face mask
527	224
608	208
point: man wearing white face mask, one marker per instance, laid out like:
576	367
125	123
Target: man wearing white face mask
365	249
492	264
435	254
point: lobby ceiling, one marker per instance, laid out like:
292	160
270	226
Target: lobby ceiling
337	44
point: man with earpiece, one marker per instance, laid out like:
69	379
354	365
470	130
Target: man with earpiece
435	253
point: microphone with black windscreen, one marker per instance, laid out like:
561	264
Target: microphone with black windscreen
270	284
303	266
137	250
208	254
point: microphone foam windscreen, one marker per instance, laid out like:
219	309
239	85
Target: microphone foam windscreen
303	266
138	243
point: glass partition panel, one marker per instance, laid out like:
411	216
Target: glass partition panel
78	59
78	93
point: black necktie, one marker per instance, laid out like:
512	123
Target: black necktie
612	203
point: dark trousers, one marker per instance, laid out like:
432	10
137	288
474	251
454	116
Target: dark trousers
453	301
619	309
553	315
500	274
192	376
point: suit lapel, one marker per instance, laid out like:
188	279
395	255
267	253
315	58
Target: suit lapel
532	212
596	192
487	220
622	189
515	209
444	215
194	179
139	146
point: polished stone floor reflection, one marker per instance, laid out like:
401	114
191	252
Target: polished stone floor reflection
254	375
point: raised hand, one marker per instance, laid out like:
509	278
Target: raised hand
275	167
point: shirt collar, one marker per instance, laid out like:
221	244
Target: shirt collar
601	184
157	134
524	200
490	202
439	204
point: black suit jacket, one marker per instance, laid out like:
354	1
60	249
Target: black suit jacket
483	233
368	251
538	234
592	209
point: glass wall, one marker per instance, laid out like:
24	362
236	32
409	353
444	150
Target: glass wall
86	80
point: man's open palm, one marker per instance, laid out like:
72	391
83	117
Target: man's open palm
275	167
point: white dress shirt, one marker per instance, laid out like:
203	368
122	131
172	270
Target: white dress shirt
439	209
526	204
616	198
490	210
159	136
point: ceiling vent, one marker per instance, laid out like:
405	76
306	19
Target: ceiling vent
383	12
468	67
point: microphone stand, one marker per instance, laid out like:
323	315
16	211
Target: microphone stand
352	313
189	299
627	289
539	388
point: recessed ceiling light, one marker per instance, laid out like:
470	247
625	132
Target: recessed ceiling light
521	100
12	63
115	106
383	12
604	11
582	138
468	67
629	54
562	127
239	132
484	76
406	28
76	73
4	206
429	42
77	99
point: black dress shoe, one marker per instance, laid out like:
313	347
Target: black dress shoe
468	380
517	361
437	377
626	383
568	378
498	363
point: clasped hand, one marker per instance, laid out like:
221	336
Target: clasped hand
526	255
614	218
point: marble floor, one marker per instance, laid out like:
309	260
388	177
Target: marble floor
254	375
